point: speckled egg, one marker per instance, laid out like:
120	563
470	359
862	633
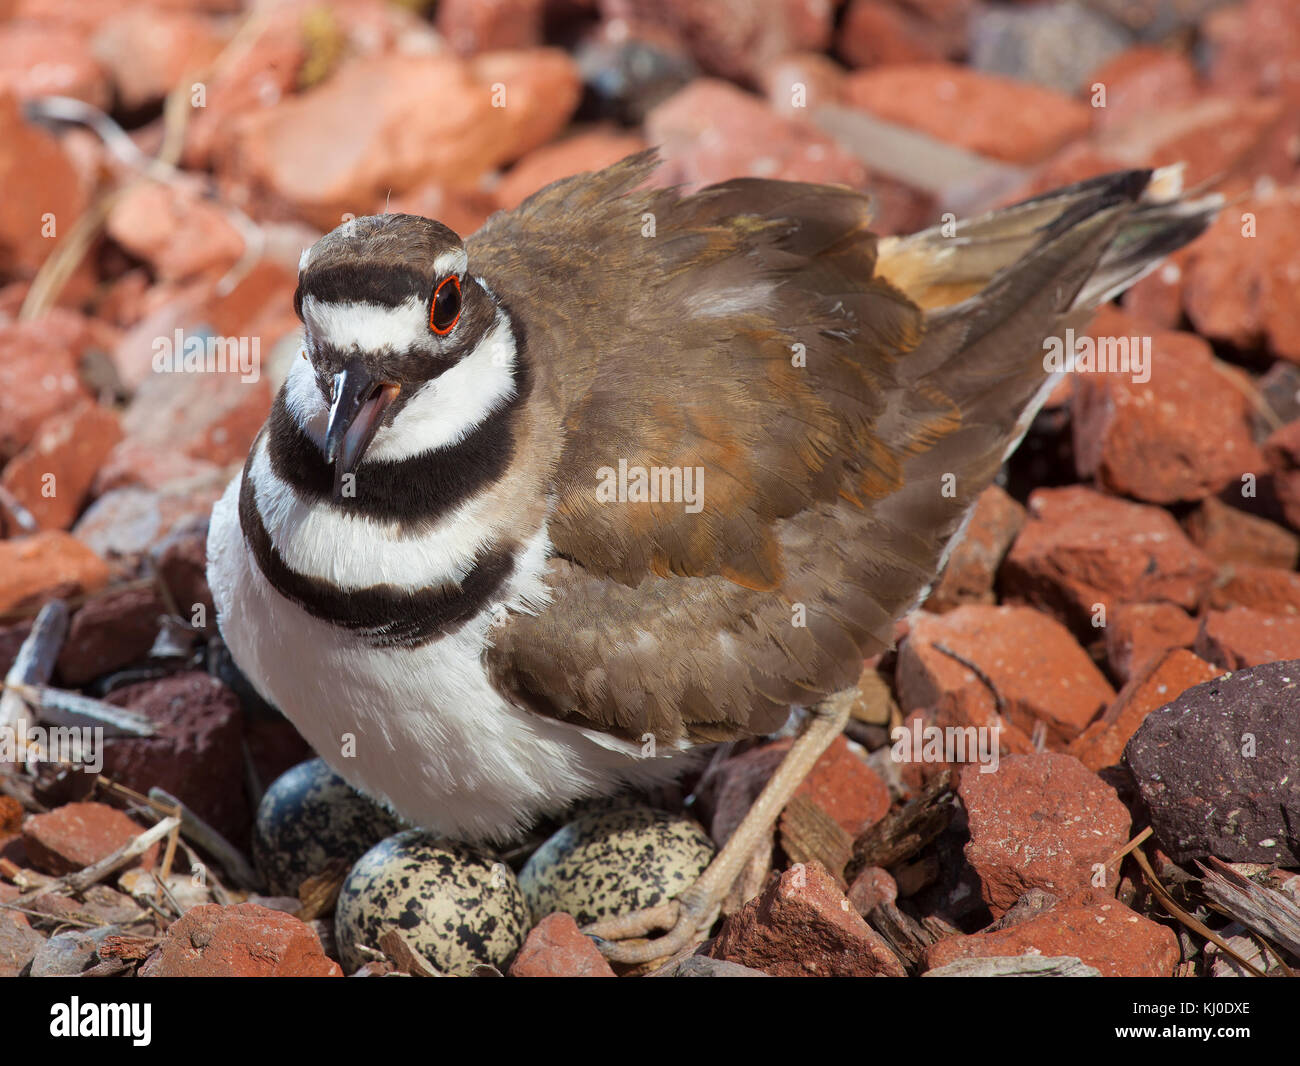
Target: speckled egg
309	817
456	904
610	863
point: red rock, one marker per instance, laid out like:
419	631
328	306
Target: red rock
181	562
1034	663
298	46
128	521
1137	634
711	131
1157	299
1282	453
1244	637
45	564
240	941
148	51
1040	821
962	709
1091	926
260	306
1156	684
11	816
195	752
734	39
135	463
174	229
1142	79
1262	588
43	197
76	835
797	85
591	150
875	32
1254	47
840	783
38	375
41	60
291	152
1174	431
109	632
78	15
53	474
250	79
555	948
274	746
802	925
1081	548
1240	289
973	565
1210	137
212	417
872	887
1228	535
991	115
844	786
19	942
472	26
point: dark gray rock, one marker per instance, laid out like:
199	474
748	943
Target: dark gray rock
1154	20
19	942
1219	768
703	966
1056	45
71	953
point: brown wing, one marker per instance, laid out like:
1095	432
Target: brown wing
842	433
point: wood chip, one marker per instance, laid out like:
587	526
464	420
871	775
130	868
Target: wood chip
904	832
1269	913
904	934
873	702
405	957
127	947
34	663
197	830
808	833
320	892
1017	966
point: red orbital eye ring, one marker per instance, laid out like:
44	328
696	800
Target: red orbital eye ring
444	309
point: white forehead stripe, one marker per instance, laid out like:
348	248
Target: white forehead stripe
451	262
368	327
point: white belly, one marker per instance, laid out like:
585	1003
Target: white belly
420	729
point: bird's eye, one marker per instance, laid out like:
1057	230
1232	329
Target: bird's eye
445	312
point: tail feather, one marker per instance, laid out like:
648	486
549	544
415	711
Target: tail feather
994	288
951	262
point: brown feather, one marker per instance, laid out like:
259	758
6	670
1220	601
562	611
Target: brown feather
826	486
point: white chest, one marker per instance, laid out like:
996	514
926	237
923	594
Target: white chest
419	728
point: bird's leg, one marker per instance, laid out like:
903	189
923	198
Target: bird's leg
691	913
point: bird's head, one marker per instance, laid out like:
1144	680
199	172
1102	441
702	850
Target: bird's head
388	307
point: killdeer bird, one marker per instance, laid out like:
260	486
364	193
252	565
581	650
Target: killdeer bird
630	472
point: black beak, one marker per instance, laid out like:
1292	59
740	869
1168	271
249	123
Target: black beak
358	406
